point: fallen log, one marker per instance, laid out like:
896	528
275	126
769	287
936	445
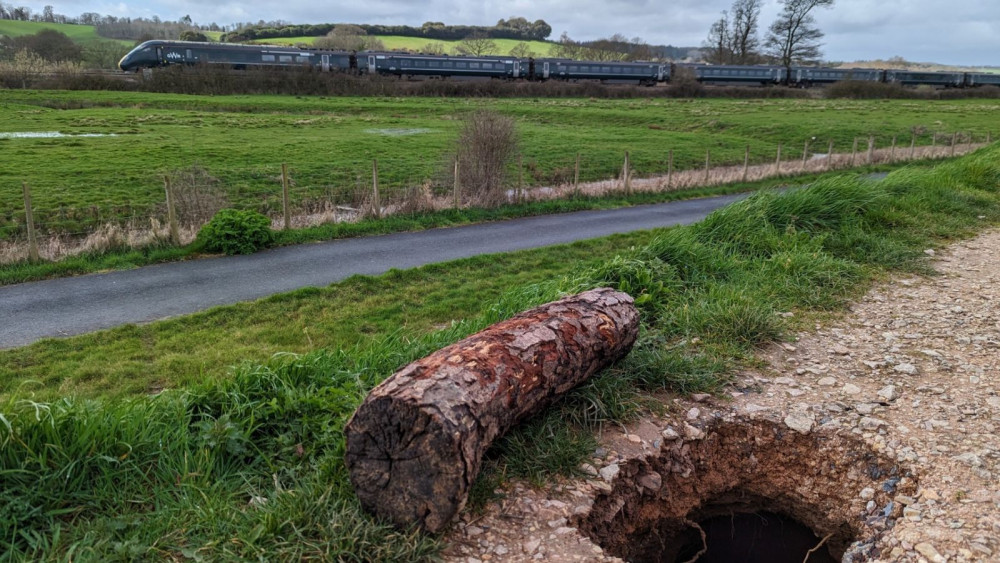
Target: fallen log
415	444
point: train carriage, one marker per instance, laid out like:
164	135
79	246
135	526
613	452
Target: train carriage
432	65
642	73
739	74
973	79
914	78
807	76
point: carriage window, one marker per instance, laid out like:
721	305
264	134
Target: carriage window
574	68
473	65
267	58
461	65
448	64
435	64
301	59
285	58
605	69
420	64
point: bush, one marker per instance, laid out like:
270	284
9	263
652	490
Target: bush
487	146
236	232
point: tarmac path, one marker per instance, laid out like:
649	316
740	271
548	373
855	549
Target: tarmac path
76	305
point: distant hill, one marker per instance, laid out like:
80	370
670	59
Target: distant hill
81	34
417	44
902	64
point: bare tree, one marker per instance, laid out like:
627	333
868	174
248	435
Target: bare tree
521	50
476	45
794	37
744	42
717	45
346	37
433	48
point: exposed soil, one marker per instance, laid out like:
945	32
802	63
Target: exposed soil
875	431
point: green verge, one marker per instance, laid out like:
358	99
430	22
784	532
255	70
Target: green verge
235	145
122	259
251	466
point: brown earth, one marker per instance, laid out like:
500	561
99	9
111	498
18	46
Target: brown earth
877	430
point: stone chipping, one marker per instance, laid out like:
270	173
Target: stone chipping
911	371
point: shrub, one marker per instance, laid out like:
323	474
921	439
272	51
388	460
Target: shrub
487	147
236	232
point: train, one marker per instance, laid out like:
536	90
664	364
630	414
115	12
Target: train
163	53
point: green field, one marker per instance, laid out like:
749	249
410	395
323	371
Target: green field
249	464
416	44
329	143
82	34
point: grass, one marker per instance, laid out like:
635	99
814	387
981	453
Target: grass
250	465
82	34
171	354
416	44
118	259
329	143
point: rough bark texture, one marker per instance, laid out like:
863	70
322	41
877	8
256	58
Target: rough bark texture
415	445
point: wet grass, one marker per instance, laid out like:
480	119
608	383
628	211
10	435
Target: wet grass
250	465
329	143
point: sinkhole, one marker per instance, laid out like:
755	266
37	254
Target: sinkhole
743	489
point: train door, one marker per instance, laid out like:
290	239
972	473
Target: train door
325	63
517	69
189	56
371	64
159	56
545	71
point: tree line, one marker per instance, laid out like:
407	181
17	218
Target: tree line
793	37
513	28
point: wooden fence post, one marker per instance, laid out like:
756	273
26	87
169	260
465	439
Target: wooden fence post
520	178
933	140
871	148
989	137
777	161
670	167
708	164
954	141
376	201
829	155
626	176
805	154
284	197
175	235
854	151
892	151
746	163
30	220
576	177
913	146
457	190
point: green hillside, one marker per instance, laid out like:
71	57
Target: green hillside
80	33
395	42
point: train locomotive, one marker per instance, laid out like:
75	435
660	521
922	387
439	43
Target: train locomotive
162	53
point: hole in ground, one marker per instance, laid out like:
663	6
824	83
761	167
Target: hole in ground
758	490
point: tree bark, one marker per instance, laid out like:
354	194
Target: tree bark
415	445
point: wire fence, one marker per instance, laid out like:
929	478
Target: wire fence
380	188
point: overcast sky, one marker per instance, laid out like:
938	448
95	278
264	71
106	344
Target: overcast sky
963	32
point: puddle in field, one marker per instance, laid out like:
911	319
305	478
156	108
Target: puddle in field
50	135
399	132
